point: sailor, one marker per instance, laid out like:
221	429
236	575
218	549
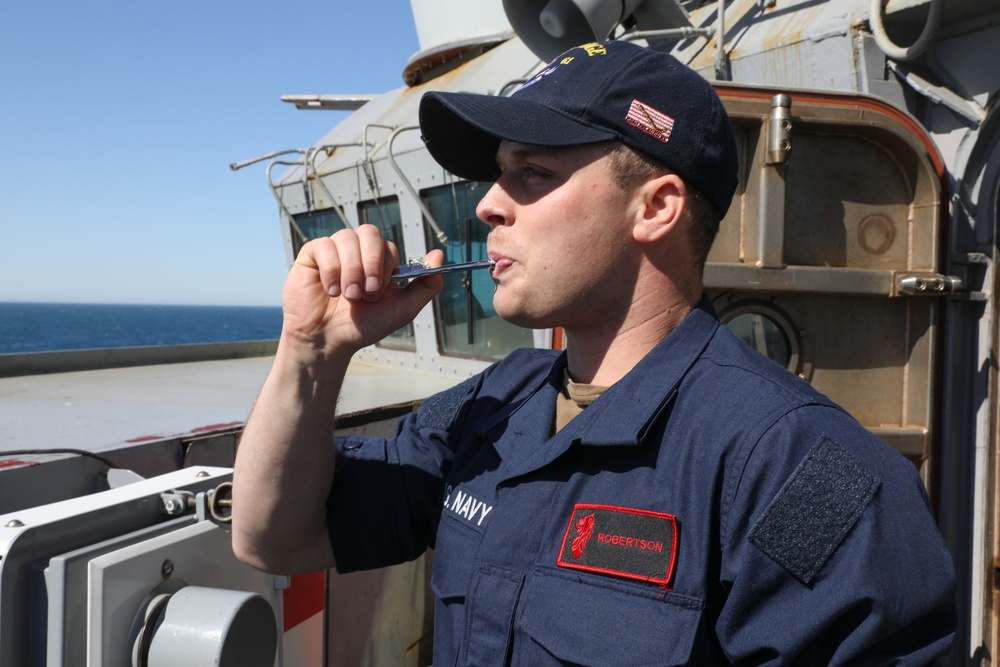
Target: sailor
656	494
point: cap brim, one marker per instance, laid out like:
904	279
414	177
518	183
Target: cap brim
463	130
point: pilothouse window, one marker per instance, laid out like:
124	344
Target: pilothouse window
315	224
384	213
466	321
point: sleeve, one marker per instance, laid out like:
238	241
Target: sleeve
830	555
387	494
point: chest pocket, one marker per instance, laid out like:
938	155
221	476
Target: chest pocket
590	625
451	577
477	602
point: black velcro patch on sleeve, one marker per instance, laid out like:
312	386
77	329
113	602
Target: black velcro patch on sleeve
439	411
814	510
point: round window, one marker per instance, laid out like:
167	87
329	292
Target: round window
764	328
762	334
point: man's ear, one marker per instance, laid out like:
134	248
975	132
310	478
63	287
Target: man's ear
661	204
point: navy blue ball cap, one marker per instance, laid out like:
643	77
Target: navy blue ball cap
606	91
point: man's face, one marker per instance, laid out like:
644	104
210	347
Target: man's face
560	235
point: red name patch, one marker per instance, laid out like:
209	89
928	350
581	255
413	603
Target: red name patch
620	541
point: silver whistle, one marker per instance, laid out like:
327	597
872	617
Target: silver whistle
416	269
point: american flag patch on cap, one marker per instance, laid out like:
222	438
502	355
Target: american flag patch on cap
649	120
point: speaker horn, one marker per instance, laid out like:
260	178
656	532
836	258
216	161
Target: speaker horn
550	27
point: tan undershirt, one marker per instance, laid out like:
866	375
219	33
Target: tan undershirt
573	398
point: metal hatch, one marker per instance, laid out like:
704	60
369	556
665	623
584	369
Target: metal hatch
828	260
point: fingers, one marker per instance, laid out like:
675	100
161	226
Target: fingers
375	254
340	292
359	264
352	263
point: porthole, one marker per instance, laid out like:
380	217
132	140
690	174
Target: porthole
765	329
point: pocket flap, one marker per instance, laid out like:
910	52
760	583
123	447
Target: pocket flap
594	625
452	577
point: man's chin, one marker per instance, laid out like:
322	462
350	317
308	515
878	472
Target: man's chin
523	317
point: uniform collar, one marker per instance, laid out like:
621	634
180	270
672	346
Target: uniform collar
640	397
620	417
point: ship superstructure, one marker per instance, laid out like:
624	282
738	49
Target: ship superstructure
858	252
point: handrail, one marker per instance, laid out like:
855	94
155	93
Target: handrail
311	160
281	204
918	47
438	232
236	166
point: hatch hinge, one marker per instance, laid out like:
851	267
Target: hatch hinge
974	267
928	284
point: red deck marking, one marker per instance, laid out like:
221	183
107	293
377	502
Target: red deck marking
145	438
216	427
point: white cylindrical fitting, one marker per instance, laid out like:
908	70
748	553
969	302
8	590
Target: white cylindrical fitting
212	627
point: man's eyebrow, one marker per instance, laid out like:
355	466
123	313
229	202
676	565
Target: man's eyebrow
529	151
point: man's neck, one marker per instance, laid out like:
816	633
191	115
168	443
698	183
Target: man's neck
602	356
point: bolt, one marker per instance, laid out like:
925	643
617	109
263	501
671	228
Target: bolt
167	568
14	523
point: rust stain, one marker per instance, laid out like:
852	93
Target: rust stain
413	73
876	234
145	438
12	463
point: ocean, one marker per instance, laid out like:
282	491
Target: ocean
42	327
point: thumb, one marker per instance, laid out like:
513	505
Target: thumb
422	290
434	258
410	298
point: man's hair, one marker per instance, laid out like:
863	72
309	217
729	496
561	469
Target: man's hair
632	168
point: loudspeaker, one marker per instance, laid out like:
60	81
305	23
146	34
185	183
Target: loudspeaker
550	27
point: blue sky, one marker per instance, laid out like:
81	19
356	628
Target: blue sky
118	122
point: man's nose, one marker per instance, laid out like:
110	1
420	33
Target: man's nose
494	208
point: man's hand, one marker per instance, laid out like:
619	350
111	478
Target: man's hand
339	296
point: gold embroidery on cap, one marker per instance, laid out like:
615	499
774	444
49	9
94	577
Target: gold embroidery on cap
594	49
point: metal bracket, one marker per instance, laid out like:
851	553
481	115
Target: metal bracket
216	504
974	266
176	502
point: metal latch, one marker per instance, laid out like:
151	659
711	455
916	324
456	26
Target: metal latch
927	284
217	503
779	130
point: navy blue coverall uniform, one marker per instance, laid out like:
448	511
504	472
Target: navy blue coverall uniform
708	508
